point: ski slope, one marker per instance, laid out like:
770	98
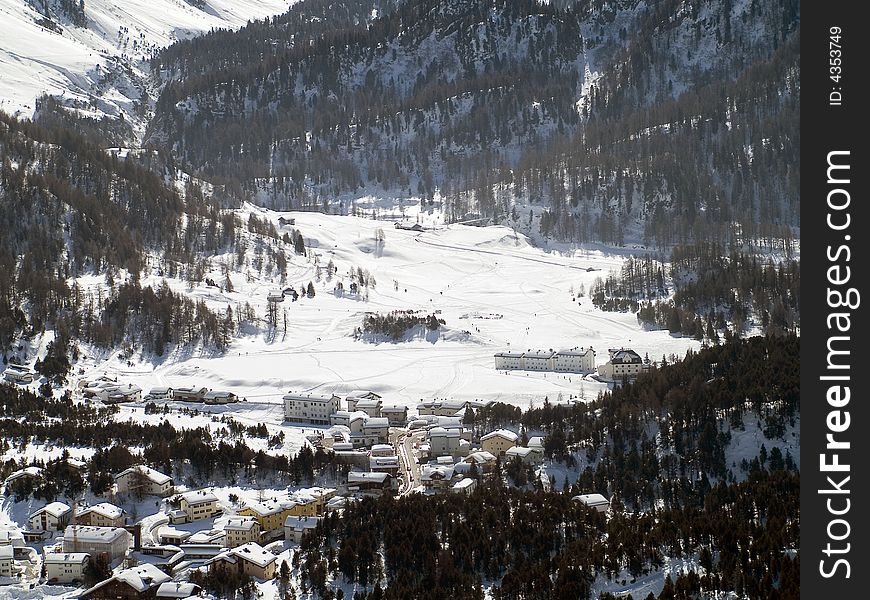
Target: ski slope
75	62
495	291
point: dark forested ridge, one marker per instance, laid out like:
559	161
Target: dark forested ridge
667	120
672	497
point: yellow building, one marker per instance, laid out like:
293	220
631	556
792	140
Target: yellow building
498	441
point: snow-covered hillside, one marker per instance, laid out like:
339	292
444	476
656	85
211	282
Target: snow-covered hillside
494	290
42	53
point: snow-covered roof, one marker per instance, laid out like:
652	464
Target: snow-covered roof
591	499
152	474
172	532
536	442
518	451
176	589
218	394
368	403
480	457
254	553
463	483
7	552
104	509
504	433
59	558
539	354
366	477
363	394
384	461
88	533
624	355
141	578
298	523
575	352
382	448
377	422
509	354
310	397
241	524
198	497
160	390
394	409
55	509
436	472
438	432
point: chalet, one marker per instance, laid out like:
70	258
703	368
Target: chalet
199	504
360	395
286	221
596	501
100	390
7	561
464	486
189	394
396	415
294	527
437	477
624	364
113	542
65	567
160	394
484	461
17	374
141	581
177	590
442	408
354	421
250	559
370	407
527	455
103	514
124	393
240	531
308	407
497	442
219	397
51	517
144	480
408	227
275	296
368	480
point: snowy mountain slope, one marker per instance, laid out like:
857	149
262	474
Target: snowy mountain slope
42	53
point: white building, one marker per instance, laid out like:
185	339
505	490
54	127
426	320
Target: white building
113	541
160	394
596	501
295	526
310	408
145	480
199	504
219	397
353	420
7	561
464	486
509	360
577	360
538	360
444	442
527	455
65	567
124	393
51	517
624	364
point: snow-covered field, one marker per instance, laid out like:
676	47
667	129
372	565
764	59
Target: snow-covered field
69	63
494	290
